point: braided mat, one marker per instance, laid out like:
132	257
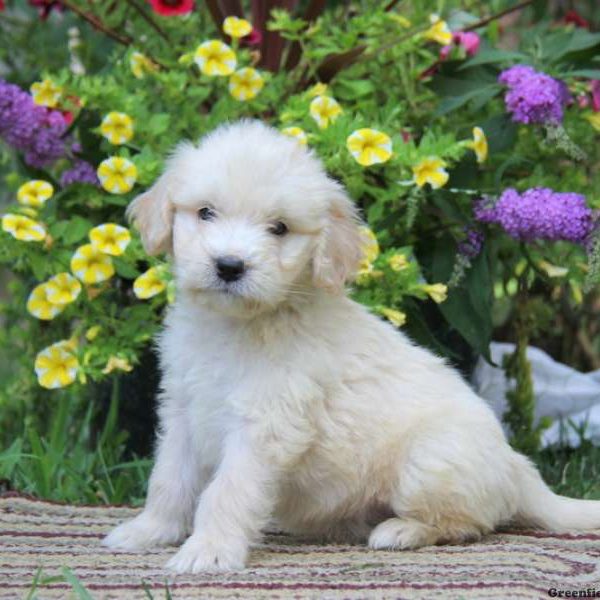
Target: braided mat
36	534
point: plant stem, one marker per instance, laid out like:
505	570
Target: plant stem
149	20
95	22
502	13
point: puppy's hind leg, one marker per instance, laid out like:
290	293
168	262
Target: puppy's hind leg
452	487
173	490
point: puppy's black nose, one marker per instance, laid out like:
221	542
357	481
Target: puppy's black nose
230	268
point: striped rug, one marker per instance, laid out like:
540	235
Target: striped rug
36	534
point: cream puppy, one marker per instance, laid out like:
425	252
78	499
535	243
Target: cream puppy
283	400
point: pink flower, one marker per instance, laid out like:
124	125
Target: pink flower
254	38
595	88
171	8
445	51
469	40
583	101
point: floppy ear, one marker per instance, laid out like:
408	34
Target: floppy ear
152	212
340	247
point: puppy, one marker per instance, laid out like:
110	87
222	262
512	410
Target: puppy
283	400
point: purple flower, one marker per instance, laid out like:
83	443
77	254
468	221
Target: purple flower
534	97
470	247
516	75
80	172
34	130
539	213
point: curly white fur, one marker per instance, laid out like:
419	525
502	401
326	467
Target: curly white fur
282	400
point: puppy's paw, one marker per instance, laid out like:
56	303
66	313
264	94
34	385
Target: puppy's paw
143	532
401	534
201	554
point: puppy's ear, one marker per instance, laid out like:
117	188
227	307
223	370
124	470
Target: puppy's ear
340	247
152	212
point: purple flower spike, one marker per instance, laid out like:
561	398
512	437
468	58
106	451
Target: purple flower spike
534	97
471	246
539	214
34	130
80	172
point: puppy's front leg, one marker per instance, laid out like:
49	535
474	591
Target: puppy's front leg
172	491
232	510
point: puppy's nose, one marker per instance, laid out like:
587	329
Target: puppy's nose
230	268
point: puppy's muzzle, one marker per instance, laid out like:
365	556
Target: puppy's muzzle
229	268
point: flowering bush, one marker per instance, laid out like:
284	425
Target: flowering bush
475	168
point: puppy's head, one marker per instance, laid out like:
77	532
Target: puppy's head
251	219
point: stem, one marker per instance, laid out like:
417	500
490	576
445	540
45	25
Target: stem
499	15
98	24
521	400
149	20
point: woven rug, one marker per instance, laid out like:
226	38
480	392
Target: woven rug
36	534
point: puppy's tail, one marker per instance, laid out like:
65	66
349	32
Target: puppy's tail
538	506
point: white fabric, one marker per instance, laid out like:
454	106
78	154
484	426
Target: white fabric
570	398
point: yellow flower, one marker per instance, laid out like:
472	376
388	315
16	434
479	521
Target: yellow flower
430	170
23	228
236	27
34	193
90	265
215	58
110	238
594	119
479	144
56	366
245	84
369	146
116	363
117	127
324	110
149	284
397	262
296	132
140	65
117	175
395	317
62	289
46	93
92	333
370	246
319	89
39	305
438	292
439	31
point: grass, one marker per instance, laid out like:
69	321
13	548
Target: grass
572	472
72	463
67	576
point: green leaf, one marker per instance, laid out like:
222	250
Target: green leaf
467	308
501	132
492	55
559	44
587	73
347	89
39	266
158	123
125	269
77	229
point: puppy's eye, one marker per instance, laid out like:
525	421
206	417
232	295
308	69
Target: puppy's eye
279	228
206	213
